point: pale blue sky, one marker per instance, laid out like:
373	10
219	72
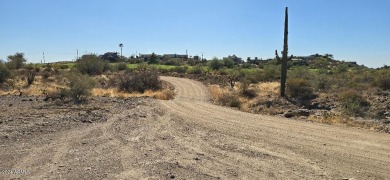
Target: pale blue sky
352	30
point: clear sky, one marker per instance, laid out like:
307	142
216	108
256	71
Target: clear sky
351	30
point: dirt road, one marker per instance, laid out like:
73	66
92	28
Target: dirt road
185	138
270	147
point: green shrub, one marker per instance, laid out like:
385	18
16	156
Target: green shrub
353	104
145	67
215	64
269	73
60	66
229	63
198	69
122	67
384	83
299	88
4	73
382	79
322	82
301	72
80	87
341	68
140	81
91	65
223	71
180	69
113	67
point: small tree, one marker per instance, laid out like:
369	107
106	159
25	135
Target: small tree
80	86
16	61
233	76
153	59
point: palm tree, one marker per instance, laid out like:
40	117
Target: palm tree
121	46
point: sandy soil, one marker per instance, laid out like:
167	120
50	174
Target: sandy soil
185	138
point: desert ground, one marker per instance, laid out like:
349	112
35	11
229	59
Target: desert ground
184	138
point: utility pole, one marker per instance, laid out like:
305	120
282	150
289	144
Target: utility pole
43	57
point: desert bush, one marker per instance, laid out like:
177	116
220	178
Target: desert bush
145	67
60	66
382	79
322	82
299	88
140	82
341	68
353	104
227	62
215	64
4	73
45	75
227	99
223	71
80	87
180	69
196	70
268	73
58	94
173	62
30	75
245	91
376	111
320	63
122	67
232	75
91	65
301	72
384	83
113	68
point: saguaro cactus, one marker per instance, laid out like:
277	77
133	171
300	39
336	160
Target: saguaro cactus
284	59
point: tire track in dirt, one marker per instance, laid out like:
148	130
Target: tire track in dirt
317	150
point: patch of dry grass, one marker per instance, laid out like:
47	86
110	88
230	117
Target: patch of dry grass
20	85
338	119
264	92
216	92
268	88
165	94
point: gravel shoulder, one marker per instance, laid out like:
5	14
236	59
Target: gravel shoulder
184	138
